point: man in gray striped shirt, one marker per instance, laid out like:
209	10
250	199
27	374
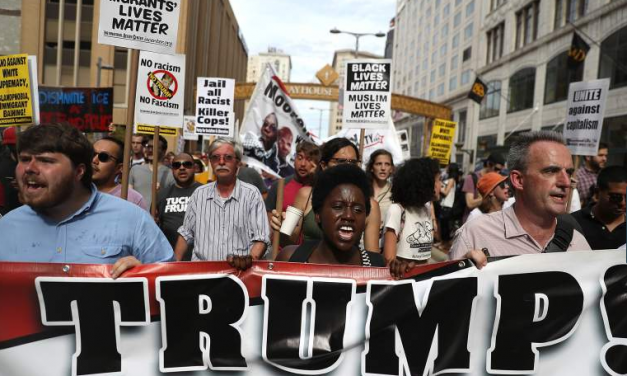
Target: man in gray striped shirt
226	217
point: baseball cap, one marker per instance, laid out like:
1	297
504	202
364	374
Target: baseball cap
488	182
9	137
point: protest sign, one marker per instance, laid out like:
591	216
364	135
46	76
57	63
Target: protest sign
584	119
367	94
272	126
150	129
214	106
160	89
88	109
189	128
149	25
403	138
382	138
441	143
15	91
530	314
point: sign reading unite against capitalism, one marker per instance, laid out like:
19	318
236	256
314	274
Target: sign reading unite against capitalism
584	119
149	25
531	314
367	94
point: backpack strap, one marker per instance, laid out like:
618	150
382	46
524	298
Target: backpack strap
302	253
564	229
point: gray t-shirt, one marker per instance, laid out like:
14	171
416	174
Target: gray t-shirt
141	178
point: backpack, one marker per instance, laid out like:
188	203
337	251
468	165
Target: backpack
459	204
564	229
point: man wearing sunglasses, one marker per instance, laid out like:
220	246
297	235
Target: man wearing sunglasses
107	165
172	201
603	222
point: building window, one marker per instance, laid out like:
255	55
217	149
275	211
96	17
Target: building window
445	31
467	54
435	38
495	4
423	81
425	64
441	89
468	32
442	70
521	86
470	8
443	50
461	126
446	11
457	2
456	40
492	102
457	19
465	77
452	83
433	76
431	94
614	59
454	61
558	77
527	24
569	11
495	42
434	57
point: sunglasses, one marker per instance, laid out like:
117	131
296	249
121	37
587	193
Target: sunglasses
104	157
215	158
345	161
616	198
186	164
503	184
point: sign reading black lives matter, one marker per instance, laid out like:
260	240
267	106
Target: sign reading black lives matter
367	96
584	119
214	106
148	25
160	89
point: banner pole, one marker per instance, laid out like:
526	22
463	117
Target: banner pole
155	170
573	185
362	136
276	238
425	140
130	121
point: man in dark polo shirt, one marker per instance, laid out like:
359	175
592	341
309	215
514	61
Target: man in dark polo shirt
603	223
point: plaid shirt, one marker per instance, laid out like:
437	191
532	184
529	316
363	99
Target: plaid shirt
585	180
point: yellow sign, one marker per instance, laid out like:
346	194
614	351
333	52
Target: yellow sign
327	75
15	99
442	137
149	129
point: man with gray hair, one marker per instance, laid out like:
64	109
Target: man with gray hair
540	170
225	218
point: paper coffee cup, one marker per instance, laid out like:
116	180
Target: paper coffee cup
292	216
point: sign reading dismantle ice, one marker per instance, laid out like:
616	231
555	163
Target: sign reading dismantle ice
584	119
148	25
367	95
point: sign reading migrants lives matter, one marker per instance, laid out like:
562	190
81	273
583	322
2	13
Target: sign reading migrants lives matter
584	119
272	126
160	90
15	91
367	95
189	128
88	109
148	25
214	106
442	137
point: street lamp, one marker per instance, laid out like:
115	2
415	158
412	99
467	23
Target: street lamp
357	36
320	122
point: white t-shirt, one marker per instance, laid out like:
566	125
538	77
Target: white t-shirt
416	237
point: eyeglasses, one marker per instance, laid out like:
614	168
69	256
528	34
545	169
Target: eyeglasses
616	198
186	164
215	158
104	157
503	184
345	160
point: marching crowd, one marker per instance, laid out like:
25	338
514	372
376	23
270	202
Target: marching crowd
57	198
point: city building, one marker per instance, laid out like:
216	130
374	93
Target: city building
435	54
339	65
281	62
208	35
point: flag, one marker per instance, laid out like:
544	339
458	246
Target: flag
478	91
577	52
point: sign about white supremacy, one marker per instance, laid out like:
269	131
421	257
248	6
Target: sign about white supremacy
149	25
367	96
214	106
584	120
160	89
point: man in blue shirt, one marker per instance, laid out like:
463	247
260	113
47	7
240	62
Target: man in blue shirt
64	218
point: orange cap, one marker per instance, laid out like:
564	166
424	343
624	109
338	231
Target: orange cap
488	182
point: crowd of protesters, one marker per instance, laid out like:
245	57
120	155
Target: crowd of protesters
56	184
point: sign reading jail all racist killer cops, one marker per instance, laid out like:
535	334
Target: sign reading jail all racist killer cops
367	95
15	91
148	25
214	106
584	119
160	90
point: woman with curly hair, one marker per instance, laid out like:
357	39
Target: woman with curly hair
409	225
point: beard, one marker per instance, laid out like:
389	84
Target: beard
49	197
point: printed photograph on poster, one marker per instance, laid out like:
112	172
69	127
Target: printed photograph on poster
382	138
160	89
272	126
584	117
88	109
15	91
142	25
189	128
442	137
367	93
214	106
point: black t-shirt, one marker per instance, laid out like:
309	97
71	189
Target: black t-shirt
7	174
172	203
596	233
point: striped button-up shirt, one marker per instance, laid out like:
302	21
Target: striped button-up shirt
221	226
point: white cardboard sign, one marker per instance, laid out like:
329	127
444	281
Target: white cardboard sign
214	106
367	94
189	128
584	118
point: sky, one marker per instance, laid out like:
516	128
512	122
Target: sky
301	29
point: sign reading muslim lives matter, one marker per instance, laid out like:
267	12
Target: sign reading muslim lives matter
149	25
584	119
15	92
367	95
88	109
214	106
442	138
